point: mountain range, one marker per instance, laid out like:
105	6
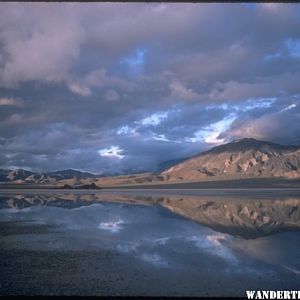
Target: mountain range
244	158
24	176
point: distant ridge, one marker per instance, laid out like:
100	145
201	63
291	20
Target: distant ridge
24	176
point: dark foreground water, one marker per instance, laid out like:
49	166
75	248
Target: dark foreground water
155	243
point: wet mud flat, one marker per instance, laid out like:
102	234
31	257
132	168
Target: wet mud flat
106	273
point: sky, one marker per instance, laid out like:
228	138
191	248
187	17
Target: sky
113	88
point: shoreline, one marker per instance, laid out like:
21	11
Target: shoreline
236	184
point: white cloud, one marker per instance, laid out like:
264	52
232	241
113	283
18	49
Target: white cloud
113	151
289	107
154	119
159	137
210	134
123	130
258	103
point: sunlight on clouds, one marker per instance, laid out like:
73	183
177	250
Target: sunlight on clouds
258	103
217	129
213	138
223	106
160	137
113	151
252	103
209	134
288	107
125	130
154	119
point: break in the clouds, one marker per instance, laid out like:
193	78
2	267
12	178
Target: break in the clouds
122	87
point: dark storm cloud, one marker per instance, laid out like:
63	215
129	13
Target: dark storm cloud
96	87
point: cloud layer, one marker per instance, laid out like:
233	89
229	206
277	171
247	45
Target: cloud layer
96	87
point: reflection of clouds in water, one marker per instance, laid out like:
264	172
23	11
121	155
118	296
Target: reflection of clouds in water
210	243
215	239
112	226
138	250
292	270
150	236
177	234
154	258
88	207
11	214
161	241
130	247
15	210
213	244
280	251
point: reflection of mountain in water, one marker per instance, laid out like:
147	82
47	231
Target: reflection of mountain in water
23	201
68	200
244	217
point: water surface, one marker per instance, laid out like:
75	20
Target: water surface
149	243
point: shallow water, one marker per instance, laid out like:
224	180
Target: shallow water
149	243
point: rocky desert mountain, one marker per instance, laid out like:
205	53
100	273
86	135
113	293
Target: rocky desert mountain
245	158
240	159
